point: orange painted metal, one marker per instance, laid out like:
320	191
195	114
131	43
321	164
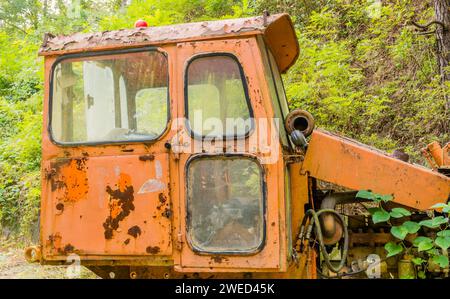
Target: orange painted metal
273	255
81	212
93	203
436	155
353	165
97	208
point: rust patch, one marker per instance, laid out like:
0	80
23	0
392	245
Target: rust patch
217	259
71	177
49	173
135	231
162	201
68	249
60	207
167	213
147	158
162	198
54	242
120	204
153	250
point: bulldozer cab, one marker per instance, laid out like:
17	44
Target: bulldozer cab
164	146
172	150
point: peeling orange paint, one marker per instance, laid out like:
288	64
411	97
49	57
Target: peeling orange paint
74	180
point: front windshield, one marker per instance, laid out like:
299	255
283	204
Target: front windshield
112	98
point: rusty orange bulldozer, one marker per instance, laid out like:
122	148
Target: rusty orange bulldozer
170	152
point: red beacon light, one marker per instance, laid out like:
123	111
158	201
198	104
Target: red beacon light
140	24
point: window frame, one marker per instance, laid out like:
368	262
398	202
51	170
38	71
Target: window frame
191	132
62	58
263	186
275	98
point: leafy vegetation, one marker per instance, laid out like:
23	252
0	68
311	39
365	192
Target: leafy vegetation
362	72
425	252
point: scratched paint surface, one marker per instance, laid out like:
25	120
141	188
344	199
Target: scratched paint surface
100	206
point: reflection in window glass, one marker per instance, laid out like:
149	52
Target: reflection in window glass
119	97
225	204
152	100
216	100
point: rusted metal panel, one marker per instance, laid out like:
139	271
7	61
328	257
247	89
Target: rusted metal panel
108	206
277	29
350	164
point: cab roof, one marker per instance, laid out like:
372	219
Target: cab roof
277	30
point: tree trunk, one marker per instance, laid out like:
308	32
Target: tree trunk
441	8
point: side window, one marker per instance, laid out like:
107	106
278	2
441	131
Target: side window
279	85
217	102
276	89
110	98
225	203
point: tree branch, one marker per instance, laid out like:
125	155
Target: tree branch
425	27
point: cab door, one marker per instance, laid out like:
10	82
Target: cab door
106	170
230	212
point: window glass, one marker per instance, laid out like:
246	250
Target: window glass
121	97
277	95
225	204
279	85
216	98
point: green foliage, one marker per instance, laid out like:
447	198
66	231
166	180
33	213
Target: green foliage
434	246
380	216
399	213
368	76
393	249
434	222
367	194
411	227
19	164
399	232
441	260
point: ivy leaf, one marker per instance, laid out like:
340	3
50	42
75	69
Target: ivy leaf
366	194
441	260
443	242
444	233
425	245
445	207
393	249
420	239
399	232
380	216
418	261
438	206
434	223
411	227
384	198
399	213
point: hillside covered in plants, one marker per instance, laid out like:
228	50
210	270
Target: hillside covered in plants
364	71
